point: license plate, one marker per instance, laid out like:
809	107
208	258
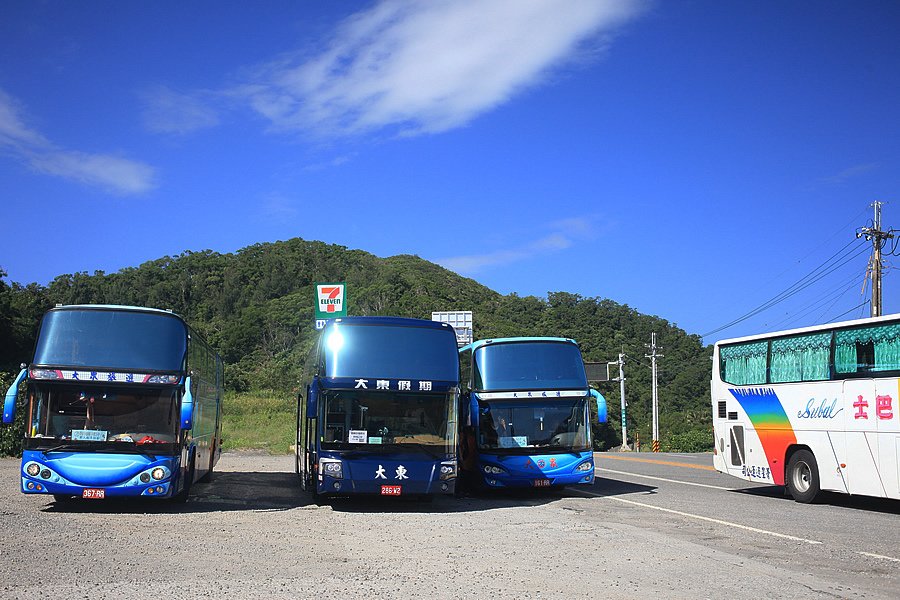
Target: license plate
391	490
541	483
93	494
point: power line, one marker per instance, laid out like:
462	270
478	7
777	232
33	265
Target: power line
836	293
832	320
824	269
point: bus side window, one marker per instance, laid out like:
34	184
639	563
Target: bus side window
865	356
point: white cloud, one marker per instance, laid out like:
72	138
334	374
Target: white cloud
168	111
116	174
426	67
565	234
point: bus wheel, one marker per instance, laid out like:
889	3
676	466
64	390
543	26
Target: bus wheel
802	477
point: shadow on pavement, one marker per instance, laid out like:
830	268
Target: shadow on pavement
277	491
227	491
882	505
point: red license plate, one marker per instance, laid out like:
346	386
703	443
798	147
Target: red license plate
391	490
541	483
93	494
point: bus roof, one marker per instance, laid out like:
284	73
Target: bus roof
119	307
476	345
812	329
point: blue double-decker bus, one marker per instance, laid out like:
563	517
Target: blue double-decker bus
377	413
121	401
525	414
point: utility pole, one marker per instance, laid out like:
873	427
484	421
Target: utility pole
621	363
653	356
877	237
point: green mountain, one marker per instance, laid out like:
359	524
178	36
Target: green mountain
257	306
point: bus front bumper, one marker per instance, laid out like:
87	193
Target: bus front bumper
97	476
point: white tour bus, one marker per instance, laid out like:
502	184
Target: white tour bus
813	409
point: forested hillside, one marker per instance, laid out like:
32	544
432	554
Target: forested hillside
257	306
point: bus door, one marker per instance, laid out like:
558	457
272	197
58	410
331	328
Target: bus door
861	438
305	435
730	438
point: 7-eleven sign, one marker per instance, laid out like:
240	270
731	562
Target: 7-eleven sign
331	300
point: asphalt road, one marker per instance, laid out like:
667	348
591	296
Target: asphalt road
663	525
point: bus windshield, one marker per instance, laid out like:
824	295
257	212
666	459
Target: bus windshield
359	417
117	339
529	366
390	352
100	414
551	423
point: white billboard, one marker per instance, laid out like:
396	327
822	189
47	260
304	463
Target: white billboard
460	320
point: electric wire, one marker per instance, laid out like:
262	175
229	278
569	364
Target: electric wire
826	268
833	319
803	311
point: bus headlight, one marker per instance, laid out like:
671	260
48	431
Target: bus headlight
332	468
448	470
584	467
33	469
492	470
158	473
170	379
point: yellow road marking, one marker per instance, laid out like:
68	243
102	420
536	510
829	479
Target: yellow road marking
658	462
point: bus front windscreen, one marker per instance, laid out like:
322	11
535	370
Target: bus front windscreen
557	424
137	414
391	352
114	339
529	366
356	417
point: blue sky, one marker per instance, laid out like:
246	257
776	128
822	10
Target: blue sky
691	159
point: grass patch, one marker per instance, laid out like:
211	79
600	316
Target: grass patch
261	420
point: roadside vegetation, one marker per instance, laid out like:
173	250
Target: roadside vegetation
262	420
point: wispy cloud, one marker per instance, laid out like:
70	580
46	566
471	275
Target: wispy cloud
113	173
412	67
562	235
278	206
168	111
848	173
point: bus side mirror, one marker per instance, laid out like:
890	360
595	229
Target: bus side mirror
312	399
9	404
187	406
601	405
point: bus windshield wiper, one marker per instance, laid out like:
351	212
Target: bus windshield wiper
62	447
139	448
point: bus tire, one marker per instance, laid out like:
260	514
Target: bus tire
802	476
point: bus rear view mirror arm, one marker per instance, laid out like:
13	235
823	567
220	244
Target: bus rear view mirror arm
187	406
9	404
601	406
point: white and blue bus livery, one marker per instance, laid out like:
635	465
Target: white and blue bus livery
122	401
526	414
